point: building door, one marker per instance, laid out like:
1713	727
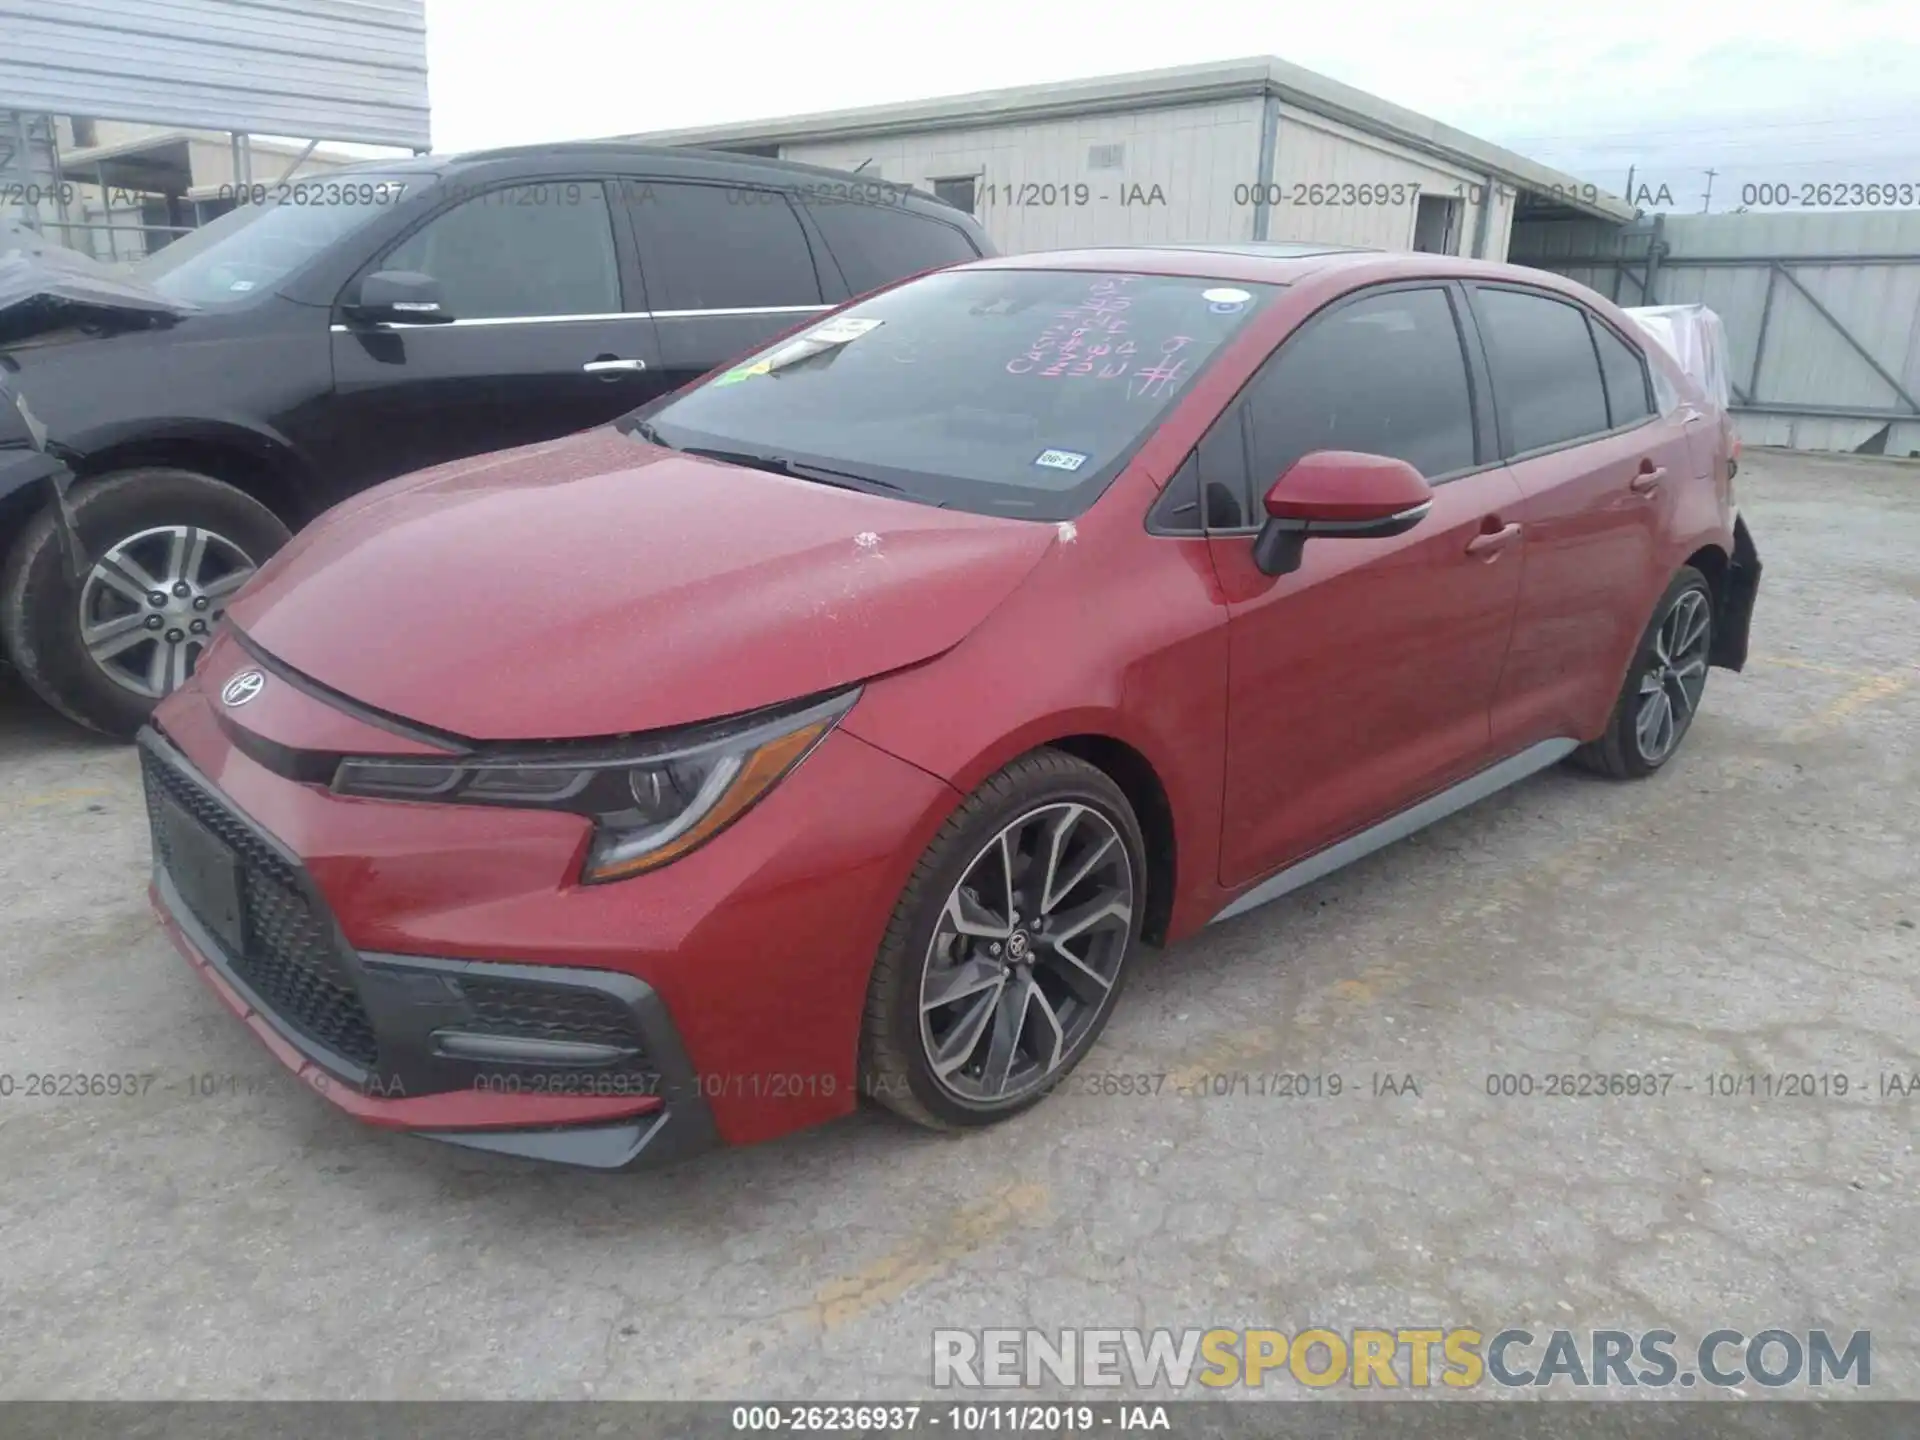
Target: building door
1436	225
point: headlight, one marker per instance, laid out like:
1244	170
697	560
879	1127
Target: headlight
651	800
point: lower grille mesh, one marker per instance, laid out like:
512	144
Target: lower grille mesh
289	960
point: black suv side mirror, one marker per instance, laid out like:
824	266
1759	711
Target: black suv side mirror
400	297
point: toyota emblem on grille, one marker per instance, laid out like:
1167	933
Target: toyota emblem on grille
242	687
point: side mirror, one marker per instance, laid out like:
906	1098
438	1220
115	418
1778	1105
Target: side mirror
1338	493
400	297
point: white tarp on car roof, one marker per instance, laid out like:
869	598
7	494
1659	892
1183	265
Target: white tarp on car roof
1694	336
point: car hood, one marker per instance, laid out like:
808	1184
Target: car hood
598	585
45	287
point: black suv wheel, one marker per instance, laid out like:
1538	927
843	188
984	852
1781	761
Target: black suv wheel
168	549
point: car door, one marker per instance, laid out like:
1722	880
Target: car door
727	267
1598	467
549	336
1362	681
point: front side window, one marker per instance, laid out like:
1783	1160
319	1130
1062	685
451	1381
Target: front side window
1383	375
1012	392
526	250
254	246
1545	372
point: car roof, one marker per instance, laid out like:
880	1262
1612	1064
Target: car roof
661	159
1278	262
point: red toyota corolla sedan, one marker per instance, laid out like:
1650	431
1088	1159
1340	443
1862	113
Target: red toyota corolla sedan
843	724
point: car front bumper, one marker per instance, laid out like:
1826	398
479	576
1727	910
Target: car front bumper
1740	589
433	968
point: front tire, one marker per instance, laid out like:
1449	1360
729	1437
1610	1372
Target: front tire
1663	688
167	545
1009	947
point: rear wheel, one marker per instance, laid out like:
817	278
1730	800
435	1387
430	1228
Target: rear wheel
1008	949
1656	705
169	548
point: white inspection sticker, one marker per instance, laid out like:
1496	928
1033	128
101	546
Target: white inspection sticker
1060	459
840	329
1226	297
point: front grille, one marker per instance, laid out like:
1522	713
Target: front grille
289	961
548	1012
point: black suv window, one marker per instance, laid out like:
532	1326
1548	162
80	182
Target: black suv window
543	249
878	244
721	247
1626	376
1545	373
1384	374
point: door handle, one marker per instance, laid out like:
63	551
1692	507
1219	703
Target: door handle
613	366
1649	478
1492	542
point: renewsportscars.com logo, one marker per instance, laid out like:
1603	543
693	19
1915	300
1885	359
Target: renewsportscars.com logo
1362	1359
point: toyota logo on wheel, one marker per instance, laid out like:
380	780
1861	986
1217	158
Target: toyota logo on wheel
242	687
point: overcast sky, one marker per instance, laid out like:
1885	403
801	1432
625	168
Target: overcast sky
1791	94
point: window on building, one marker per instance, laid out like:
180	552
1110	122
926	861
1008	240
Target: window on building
1545	372
957	192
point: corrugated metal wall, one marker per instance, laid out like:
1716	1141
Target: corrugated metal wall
351	70
1037	191
1822	312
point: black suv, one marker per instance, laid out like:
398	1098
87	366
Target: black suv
331	333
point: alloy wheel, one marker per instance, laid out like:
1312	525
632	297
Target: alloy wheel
1026	953
148	606
1676	673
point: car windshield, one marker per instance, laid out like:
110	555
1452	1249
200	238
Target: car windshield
256	245
1010	392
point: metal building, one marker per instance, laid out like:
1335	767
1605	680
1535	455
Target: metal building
114	113
1240	150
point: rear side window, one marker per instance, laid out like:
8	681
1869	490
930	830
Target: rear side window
525	250
877	244
721	247
1626	376
1546	375
1384	375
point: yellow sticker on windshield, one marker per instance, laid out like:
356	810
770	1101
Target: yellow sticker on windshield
745	372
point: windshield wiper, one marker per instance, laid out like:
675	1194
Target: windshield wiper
794	469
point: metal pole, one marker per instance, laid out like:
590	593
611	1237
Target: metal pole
1269	150
106	209
59	181
1760	345
1654	252
23	152
299	160
1483	221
